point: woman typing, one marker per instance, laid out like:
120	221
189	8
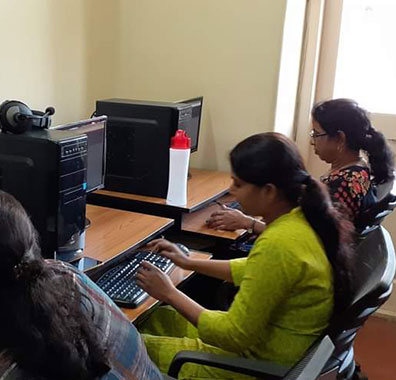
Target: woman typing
295	277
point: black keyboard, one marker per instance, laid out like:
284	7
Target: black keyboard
119	282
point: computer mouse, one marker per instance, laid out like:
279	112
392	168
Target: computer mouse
183	248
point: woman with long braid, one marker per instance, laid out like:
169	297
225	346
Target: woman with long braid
293	280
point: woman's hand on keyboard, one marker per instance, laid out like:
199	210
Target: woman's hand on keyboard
155	282
170	251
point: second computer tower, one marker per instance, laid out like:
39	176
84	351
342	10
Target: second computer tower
138	140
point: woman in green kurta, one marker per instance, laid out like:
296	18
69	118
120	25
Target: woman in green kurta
294	278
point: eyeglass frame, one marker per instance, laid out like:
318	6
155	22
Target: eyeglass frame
314	135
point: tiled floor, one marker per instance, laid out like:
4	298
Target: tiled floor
375	349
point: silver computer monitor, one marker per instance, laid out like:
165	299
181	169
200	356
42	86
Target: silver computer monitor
95	129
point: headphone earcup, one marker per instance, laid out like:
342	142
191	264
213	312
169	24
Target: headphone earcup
2	113
13	117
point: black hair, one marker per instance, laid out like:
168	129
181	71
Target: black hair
273	158
42	325
347	116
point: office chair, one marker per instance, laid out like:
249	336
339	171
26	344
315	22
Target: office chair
374	272
372	217
385	188
307	368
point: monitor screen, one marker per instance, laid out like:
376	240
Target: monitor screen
192	128
95	129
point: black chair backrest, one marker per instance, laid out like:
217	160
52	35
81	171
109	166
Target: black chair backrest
374	274
385	188
370	218
311	365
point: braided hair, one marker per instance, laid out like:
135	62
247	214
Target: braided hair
273	158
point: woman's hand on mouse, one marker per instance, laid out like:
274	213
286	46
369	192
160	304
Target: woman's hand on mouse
170	251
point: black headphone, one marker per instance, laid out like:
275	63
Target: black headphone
16	117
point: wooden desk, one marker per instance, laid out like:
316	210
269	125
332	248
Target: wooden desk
203	187
115	234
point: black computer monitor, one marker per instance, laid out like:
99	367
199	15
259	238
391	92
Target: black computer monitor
192	128
95	129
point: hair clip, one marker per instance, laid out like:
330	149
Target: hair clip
18	270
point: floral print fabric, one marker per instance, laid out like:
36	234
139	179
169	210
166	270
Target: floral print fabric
349	187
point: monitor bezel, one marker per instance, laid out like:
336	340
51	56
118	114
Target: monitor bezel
188	101
77	124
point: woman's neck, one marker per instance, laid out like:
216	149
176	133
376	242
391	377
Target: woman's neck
346	159
277	211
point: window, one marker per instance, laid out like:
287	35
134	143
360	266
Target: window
366	62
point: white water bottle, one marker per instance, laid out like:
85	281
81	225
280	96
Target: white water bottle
179	157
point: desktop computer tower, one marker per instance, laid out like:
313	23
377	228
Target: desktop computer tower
138	141
46	171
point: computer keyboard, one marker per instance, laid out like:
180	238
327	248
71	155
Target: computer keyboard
119	282
234	205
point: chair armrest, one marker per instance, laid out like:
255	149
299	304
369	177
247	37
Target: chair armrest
255	368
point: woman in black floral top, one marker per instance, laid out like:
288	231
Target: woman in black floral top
341	132
351	187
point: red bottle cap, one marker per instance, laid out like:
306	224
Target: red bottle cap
180	140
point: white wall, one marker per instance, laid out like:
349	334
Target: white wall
70	53
43	60
227	51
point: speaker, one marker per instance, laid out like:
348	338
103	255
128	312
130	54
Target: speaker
16	117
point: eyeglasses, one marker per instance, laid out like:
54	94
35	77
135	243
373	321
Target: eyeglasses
313	134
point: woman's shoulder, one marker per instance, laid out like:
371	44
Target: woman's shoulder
351	173
358	171
292	220
59	266
353	180
288	233
92	296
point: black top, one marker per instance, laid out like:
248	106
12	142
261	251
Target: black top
352	188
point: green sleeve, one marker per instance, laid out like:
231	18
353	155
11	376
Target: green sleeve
269	276
238	270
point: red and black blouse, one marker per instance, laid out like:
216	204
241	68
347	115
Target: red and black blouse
352	188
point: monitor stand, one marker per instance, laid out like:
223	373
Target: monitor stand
85	263
73	250
87	223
